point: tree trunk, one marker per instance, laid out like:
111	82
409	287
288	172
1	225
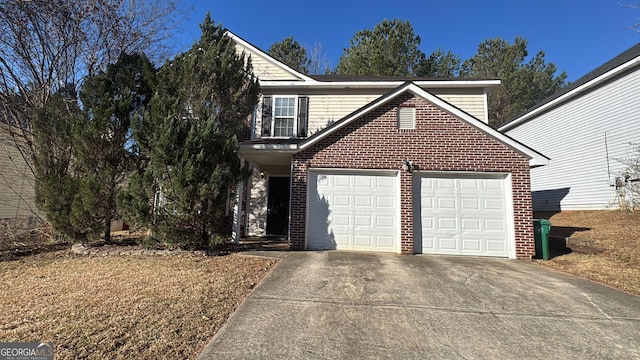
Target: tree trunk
107	233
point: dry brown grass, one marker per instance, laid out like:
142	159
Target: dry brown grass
123	306
605	247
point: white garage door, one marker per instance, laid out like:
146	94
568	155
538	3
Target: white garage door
462	214
350	211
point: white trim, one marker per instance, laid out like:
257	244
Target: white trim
294	130
510	216
535	158
275	147
434	84
237	209
485	95
268	57
571	94
249	182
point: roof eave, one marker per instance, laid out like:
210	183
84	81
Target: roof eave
309	84
571	94
281	148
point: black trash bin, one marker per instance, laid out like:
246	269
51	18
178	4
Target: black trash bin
541	229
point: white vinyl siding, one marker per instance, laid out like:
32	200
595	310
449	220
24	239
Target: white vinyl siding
265	69
474	104
325	109
17	195
573	136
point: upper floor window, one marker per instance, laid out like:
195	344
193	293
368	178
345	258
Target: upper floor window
284	116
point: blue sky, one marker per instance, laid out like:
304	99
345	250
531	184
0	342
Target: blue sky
577	36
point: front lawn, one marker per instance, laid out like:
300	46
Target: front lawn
603	246
123	306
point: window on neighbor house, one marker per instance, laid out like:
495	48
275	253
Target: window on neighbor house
284	116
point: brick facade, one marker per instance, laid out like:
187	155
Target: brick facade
440	142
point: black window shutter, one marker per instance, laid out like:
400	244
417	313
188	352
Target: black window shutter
266	116
303	116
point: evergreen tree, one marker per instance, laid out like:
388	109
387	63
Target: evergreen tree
103	143
523	83
390	49
85	154
290	52
56	172
203	101
439	64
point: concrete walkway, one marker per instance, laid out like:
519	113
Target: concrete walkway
347	305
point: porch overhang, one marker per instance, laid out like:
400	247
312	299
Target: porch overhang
273	159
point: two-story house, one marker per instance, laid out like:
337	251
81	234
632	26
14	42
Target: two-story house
404	165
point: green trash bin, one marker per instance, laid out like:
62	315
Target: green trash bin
541	229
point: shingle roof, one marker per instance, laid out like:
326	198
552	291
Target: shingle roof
354	78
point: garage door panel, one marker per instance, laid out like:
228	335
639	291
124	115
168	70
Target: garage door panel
472	244
470	224
364	241
493	184
495	245
470	184
446	203
363	201
363	221
447	243
494	225
469	203
385	201
341	200
463	214
341	239
444	183
385	242
493	204
447	224
361	210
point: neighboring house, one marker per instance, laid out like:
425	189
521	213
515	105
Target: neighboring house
17	187
383	164
587	131
17	197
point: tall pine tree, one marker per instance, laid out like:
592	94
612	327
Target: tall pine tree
390	49
85	154
290	52
104	144
523	84
57	174
203	101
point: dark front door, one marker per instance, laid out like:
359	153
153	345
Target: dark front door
278	206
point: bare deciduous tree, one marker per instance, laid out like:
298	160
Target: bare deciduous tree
635	27
318	62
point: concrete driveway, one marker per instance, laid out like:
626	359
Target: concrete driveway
348	305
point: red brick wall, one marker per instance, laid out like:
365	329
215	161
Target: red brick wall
440	142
